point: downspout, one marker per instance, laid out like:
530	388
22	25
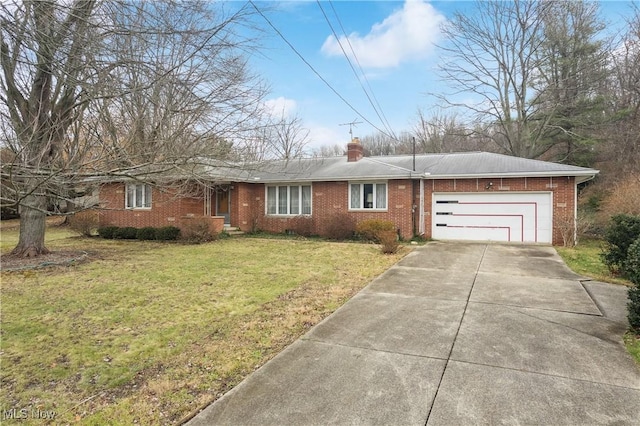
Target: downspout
575	207
575	212
421	228
413	206
413	191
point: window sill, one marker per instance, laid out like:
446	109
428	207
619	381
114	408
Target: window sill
369	210
285	216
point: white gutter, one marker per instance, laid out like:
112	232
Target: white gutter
588	174
585	176
334	179
575	213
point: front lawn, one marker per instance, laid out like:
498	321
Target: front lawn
148	332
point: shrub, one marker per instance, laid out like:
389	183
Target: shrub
197	231
146	233
83	223
622	231
571	229
254	222
632	262
302	225
389	241
9	212
633	307
167	233
371	229
340	226
107	232
623	198
594	201
632	270
126	233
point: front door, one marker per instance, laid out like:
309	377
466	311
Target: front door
222	205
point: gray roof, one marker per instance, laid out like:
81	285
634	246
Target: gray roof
427	166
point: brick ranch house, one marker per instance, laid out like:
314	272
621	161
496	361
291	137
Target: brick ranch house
459	196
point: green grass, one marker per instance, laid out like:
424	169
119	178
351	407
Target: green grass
150	331
632	342
584	259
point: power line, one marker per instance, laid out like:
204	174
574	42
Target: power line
314	70
326	18
376	106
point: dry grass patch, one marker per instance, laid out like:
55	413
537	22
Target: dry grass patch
148	332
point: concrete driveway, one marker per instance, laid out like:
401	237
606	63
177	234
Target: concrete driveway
455	333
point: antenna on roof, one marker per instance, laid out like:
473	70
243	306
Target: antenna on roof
351	126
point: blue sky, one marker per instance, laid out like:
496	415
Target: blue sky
394	43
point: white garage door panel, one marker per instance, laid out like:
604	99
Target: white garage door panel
510	217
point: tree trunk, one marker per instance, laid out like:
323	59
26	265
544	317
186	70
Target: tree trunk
71	207
32	227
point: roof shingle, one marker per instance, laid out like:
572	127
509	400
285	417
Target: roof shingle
429	166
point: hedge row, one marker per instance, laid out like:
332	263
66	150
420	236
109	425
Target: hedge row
166	233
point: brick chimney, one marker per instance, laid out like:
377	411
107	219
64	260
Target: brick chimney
354	150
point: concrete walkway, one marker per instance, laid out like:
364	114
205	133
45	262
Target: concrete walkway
455	333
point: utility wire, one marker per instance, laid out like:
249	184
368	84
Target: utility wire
314	70
326	18
383	119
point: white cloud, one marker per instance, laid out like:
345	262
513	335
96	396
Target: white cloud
320	135
280	107
406	34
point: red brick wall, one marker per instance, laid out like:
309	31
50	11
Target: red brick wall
328	199
247	205
563	189
167	209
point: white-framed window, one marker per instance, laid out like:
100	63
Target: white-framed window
138	196
292	200
368	196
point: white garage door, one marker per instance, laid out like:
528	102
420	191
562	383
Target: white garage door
513	217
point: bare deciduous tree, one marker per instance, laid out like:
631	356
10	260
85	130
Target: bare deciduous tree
286	137
95	87
335	150
382	144
532	73
619	153
491	58
571	75
277	137
441	132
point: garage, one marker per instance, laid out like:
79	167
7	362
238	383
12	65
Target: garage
507	217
